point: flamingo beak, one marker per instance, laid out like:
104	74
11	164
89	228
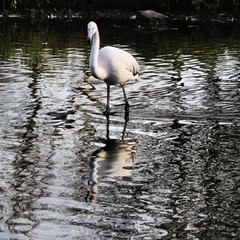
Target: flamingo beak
89	41
90	36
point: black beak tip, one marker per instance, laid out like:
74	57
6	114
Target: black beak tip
89	42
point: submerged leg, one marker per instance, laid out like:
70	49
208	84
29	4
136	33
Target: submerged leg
107	127
107	111
126	104
124	128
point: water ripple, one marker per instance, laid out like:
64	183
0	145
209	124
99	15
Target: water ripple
170	172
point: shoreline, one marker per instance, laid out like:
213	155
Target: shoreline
118	15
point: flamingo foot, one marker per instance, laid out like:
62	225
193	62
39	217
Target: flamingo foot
106	112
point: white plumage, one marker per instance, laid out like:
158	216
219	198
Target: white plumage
112	65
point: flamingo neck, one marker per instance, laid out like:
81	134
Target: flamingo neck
96	71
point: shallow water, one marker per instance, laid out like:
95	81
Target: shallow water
171	172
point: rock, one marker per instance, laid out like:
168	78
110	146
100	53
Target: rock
152	19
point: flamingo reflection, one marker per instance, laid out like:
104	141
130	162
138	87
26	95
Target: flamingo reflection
114	159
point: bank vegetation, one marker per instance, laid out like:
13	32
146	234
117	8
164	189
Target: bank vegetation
209	6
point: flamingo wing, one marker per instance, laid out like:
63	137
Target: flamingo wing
119	65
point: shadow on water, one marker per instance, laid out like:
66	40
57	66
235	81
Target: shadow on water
114	159
170	172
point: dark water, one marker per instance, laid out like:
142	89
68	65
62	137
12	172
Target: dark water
68	173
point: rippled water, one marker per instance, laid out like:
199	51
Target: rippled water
171	172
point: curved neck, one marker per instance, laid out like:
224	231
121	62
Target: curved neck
94	67
94	51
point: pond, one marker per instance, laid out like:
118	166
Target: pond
170	172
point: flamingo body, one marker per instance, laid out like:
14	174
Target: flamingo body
119	65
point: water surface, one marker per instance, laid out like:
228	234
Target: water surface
171	172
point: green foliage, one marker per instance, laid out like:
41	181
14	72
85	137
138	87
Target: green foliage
210	5
14	3
214	5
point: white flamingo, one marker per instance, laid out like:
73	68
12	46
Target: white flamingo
112	65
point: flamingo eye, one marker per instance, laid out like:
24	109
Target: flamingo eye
91	31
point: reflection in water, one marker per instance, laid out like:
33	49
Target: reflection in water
115	159
25	175
204	181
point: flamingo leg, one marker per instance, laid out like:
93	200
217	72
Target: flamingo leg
125	96
107	129
107	111
126	104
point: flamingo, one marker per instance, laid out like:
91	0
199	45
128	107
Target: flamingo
112	65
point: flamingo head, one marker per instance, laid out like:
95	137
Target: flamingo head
92	29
